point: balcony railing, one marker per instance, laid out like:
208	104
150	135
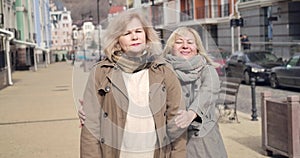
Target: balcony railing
212	11
186	15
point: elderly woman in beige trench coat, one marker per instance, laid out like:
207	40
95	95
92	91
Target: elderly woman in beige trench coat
132	97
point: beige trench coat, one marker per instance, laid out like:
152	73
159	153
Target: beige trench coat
106	103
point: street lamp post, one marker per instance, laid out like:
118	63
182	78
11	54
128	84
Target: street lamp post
152	9
99	29
98	12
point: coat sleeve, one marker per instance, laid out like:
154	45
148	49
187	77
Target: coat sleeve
207	93
90	132
174	103
89	145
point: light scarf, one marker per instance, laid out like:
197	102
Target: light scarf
187	70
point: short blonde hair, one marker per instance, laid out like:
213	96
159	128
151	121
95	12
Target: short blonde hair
182	31
117	27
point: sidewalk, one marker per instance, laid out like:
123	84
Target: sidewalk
38	118
242	140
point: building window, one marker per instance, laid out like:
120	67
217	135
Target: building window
224	8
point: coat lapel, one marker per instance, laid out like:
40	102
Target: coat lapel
119	89
157	94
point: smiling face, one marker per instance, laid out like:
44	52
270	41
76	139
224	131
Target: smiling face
133	40
185	46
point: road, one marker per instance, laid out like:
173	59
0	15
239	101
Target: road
245	97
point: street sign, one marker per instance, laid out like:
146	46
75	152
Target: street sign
237	22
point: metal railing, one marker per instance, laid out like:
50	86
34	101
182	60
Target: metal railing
212	11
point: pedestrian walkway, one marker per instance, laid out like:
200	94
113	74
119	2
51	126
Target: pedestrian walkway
242	140
38	118
37	115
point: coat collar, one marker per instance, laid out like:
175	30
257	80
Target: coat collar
156	79
115	76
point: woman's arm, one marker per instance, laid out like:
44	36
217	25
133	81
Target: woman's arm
89	144
207	93
174	104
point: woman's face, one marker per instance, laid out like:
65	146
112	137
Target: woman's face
133	40
185	46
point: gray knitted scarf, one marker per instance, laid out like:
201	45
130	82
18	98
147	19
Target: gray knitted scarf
187	70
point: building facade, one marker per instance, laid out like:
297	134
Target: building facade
270	24
23	33
42	34
61	32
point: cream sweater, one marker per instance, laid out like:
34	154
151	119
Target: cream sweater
139	137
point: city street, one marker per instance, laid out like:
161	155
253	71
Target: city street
39	116
245	98
41	88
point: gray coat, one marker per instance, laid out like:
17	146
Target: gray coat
204	138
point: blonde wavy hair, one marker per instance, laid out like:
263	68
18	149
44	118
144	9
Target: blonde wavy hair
117	26
182	31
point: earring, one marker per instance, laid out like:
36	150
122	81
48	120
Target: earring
118	47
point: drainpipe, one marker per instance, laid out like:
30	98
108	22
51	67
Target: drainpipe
8	39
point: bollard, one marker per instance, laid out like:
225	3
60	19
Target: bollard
254	110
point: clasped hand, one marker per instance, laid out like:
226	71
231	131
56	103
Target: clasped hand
184	118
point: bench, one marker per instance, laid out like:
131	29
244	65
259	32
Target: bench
229	88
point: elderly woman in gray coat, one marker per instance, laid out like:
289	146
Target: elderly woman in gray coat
200	85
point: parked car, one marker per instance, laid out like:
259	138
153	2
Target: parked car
287	75
219	57
246	64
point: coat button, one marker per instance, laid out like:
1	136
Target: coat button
102	140
163	88
107	89
196	134
165	113
187	95
101	92
105	114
